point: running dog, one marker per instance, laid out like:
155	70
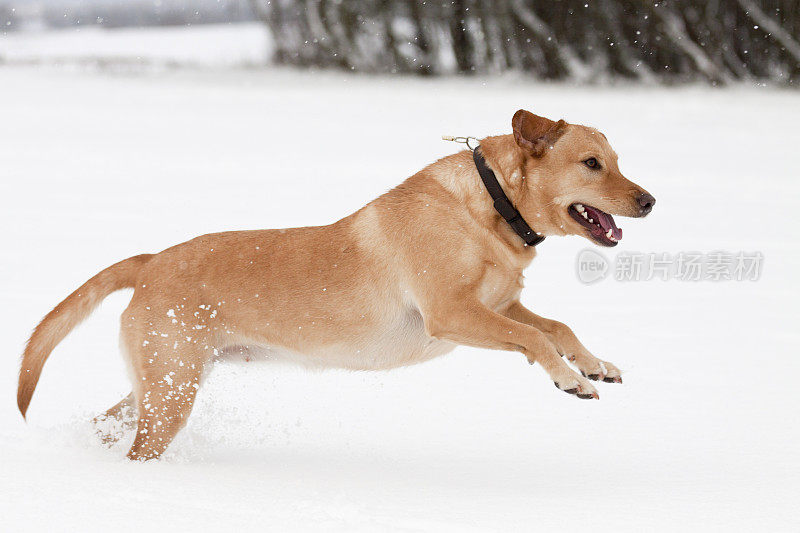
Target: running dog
434	263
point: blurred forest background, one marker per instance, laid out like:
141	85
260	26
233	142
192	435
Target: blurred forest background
584	41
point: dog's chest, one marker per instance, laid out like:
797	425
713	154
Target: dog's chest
500	285
501	280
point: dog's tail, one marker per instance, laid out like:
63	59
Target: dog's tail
68	314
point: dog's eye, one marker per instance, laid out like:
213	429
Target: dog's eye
592	163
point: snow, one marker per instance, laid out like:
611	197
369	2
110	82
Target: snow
702	434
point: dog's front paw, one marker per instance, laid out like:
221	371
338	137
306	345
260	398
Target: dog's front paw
611	374
606	372
575	384
595	369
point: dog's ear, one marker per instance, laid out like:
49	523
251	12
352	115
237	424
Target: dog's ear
535	134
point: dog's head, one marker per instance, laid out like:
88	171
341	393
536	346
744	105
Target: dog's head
575	170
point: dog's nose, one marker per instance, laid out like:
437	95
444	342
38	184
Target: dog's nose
646	203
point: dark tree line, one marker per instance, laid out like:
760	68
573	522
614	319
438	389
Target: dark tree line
582	40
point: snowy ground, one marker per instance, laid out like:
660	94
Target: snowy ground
702	435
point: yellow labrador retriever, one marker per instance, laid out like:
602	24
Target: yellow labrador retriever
434	263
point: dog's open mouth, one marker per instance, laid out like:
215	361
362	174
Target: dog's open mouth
599	223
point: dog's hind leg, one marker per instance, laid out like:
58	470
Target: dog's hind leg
121	409
167	369
164	399
120	418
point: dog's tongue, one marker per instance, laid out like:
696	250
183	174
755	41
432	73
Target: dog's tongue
607	223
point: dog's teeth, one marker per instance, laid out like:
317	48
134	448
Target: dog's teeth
579	207
585	214
591	221
609	234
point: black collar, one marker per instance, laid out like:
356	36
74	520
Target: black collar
502	203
